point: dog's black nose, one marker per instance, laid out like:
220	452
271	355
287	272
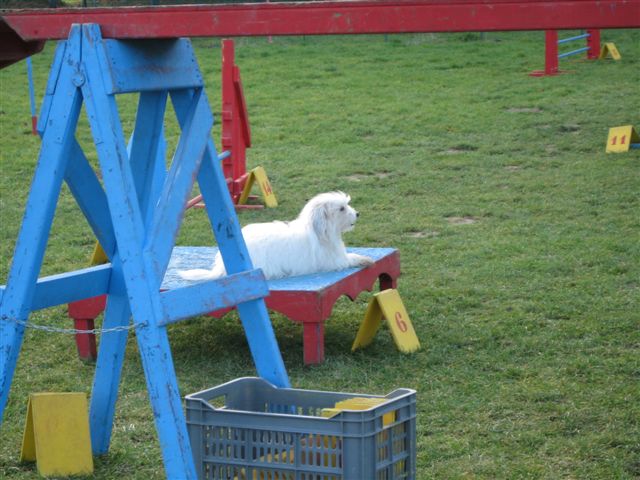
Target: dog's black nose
357	214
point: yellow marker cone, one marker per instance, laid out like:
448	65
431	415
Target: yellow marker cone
620	139
387	304
56	434
259	175
609	49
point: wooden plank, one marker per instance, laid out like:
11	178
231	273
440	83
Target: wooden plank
162	64
36	224
69	287
213	295
329	18
137	272
196	121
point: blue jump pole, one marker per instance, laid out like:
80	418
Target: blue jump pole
573	52
576	37
32	98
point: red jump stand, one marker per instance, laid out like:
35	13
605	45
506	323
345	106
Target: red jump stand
236	131
551	56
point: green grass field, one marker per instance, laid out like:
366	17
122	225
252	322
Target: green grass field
519	240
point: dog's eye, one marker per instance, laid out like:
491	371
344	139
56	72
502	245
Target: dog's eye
342	209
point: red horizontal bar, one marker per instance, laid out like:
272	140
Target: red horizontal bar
325	18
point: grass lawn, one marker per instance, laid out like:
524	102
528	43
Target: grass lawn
519	240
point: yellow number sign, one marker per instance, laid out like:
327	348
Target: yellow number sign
387	304
620	139
56	434
609	48
259	175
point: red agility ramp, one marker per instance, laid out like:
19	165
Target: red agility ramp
23	31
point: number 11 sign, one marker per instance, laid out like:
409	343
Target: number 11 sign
621	139
387	304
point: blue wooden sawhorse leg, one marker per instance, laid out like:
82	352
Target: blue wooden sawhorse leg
140	229
36	224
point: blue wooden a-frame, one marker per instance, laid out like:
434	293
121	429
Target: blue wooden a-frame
136	218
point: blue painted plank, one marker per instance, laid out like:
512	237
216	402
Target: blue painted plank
32	93
207	297
52	82
145	148
137	271
105	124
69	287
147	65
185	258
89	194
253	315
196	122
37	220
111	355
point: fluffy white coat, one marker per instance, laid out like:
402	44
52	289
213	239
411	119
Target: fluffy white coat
309	244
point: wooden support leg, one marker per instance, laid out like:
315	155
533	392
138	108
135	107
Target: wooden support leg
34	232
85	342
387	281
108	371
313	342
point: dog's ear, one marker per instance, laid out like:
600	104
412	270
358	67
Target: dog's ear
320	220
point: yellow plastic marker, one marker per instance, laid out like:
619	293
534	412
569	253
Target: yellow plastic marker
359	403
99	257
259	175
609	48
56	434
387	304
621	138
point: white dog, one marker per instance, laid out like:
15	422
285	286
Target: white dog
309	244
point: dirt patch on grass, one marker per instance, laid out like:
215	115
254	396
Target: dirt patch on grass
570	128
462	148
461	220
358	177
524	110
422	234
513	168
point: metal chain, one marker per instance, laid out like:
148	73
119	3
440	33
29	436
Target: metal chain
70	331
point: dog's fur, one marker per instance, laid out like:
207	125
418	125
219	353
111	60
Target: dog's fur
309	244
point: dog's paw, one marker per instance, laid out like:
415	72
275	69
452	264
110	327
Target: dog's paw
356	260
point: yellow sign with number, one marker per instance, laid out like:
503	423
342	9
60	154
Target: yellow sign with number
620	139
609	49
260	176
387	304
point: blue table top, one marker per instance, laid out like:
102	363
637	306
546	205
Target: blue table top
184	258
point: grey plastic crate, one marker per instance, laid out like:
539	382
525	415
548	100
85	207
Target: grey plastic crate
247	429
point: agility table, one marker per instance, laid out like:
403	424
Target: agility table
305	299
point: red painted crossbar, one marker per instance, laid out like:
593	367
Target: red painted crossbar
325	18
23	31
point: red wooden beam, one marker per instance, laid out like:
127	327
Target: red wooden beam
326	18
13	48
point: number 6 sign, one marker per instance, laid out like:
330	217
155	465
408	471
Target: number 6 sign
387	304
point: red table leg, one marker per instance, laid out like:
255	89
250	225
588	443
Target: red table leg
313	342
86	342
84	312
